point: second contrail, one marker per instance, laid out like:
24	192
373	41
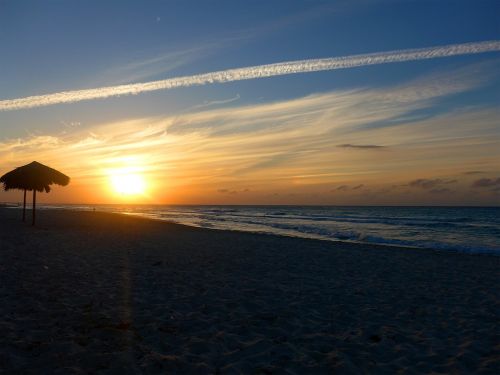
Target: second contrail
260	71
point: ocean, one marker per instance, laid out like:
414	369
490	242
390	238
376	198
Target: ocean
462	229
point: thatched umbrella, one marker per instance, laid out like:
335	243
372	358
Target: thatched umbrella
33	176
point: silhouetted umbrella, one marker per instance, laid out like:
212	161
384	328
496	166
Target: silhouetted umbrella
33	176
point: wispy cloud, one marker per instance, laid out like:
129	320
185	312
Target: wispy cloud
141	69
154	63
288	147
253	72
440	191
486	182
348	188
210	103
473	172
232	192
424	183
349	145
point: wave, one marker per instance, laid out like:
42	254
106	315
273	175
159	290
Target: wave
415	222
445	229
315	232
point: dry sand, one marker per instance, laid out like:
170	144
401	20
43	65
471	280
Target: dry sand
89	292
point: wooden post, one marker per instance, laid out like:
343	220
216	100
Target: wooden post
24	206
34	205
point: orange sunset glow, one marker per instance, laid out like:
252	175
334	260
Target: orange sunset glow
249	187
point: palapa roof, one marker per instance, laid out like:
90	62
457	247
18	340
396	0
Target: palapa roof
33	176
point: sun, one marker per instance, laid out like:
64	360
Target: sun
128	183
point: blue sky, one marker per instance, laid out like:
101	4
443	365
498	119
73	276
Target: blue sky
52	46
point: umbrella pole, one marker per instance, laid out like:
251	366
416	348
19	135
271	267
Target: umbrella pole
24	206
34	205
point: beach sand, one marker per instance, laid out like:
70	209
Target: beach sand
91	292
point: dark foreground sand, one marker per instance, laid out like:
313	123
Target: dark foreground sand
99	293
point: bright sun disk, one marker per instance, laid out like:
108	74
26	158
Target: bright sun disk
128	184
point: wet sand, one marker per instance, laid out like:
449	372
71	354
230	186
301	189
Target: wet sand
90	292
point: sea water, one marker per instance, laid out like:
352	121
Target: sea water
464	229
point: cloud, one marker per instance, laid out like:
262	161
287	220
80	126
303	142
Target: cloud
440	191
210	103
160	62
233	192
486	182
426	184
135	71
348	145
288	147
473	172
253	72
348	188
349	111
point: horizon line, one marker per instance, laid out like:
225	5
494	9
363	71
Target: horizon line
17	203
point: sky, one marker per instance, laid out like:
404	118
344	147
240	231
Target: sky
393	126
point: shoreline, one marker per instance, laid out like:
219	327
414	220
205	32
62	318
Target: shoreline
87	292
336	242
480	251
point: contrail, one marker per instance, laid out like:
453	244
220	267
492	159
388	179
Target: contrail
252	72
